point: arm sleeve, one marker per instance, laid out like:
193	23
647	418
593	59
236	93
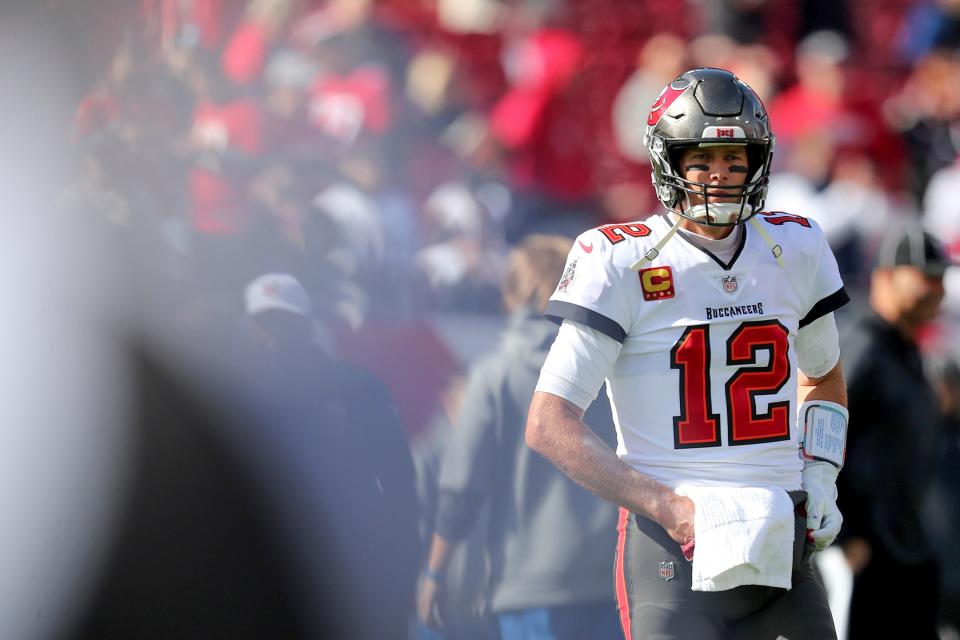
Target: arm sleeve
827	292
593	290
578	363
818	346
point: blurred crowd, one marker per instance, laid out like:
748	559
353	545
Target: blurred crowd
389	153
386	155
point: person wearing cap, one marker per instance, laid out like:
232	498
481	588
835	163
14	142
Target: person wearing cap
337	469
891	449
280	312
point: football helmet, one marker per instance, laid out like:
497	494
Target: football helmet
709	107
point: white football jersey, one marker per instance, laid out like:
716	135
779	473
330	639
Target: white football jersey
704	388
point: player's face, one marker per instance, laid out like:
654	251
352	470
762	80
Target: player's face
716	166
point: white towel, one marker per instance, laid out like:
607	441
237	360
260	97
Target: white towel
743	535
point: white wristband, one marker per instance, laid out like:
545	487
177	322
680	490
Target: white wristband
824	431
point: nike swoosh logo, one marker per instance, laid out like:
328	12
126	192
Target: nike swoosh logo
587	248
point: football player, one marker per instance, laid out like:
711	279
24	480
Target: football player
712	324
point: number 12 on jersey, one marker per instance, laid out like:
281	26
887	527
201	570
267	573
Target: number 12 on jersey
698	424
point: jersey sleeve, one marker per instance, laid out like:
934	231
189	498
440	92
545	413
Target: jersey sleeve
593	290
827	293
578	363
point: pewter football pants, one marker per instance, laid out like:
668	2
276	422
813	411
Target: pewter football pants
656	603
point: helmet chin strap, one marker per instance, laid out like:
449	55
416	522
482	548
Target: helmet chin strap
775	249
654	251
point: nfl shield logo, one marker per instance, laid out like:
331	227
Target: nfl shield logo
730	284
666	571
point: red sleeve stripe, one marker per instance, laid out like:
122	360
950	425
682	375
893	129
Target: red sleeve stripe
620	576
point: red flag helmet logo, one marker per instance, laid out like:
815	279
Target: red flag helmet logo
666	98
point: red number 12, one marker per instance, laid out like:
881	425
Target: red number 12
698	425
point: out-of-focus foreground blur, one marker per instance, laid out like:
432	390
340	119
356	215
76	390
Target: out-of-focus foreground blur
166	467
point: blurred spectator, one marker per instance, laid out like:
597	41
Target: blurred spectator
815	103
855	211
661	59
223	148
741	20
758	66
802	174
431	80
471	16
711	49
891	444
541	124
287	79
361	62
276	235
138	103
246	52
361	224
941	207
189	22
372	168
350	96
941	216
926	111
546	536
832	97
930	25
336	468
942	510
461	258
114	93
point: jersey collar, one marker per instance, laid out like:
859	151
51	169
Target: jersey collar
726	266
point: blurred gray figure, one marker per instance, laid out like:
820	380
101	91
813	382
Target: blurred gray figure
891	445
548	539
466	574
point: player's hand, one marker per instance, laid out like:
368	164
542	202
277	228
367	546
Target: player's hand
679	522
430	603
823	516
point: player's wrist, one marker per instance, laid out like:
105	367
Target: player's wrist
819	471
824	425
675	512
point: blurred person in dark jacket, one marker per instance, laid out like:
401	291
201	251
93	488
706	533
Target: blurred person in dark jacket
891	448
336	466
548	539
942	509
272	499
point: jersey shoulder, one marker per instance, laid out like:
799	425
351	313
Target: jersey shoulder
621	244
795	233
790	226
